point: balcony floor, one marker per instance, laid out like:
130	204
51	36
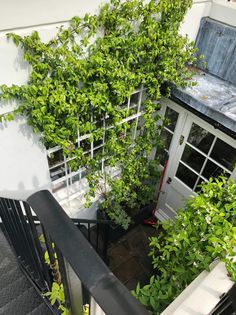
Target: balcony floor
128	258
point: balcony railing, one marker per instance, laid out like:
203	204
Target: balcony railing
72	259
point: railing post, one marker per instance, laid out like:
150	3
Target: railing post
95	309
75	290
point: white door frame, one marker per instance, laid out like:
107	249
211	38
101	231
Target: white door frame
182	130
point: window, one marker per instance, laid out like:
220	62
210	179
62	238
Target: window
204	156
65	182
167	133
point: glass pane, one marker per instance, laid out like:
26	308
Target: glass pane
172	117
134	99
57	172
97	143
200	138
162	156
55	158
186	176
194	159
86	145
125	104
199	182
78	177
224	154
166	137
212	170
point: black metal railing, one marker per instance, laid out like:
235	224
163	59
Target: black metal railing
72	260
227	303
95	231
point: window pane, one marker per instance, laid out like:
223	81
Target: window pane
57	172
212	170
172	116
186	176
199	182
56	158
162	156
97	143
134	99
166	137
200	138
192	158
78	177
224	154
86	145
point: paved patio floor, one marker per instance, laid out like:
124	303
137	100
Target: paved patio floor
128	257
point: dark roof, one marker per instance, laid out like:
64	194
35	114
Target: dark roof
212	97
215	92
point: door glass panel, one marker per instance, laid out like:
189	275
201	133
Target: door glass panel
224	154
186	176
200	138
213	170
193	158
163	157
167	134
172	117
166	137
199	182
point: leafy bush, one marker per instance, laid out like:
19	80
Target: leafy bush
202	232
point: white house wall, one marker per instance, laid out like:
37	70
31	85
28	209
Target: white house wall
192	20
224	11
23	165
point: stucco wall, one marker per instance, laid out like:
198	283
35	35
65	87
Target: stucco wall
23	164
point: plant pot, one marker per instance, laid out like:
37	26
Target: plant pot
116	231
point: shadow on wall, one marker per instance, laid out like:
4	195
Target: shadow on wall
22	193
23	161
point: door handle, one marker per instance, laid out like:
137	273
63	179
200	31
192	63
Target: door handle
169	180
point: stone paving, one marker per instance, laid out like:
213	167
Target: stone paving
128	257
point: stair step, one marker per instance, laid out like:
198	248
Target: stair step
10	276
7	264
13	290
23	304
42	309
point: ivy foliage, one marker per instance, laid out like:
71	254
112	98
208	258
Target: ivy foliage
204	231
81	78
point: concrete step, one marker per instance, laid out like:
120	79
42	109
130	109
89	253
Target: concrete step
42	309
22	304
13	290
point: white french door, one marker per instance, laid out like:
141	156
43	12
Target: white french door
197	151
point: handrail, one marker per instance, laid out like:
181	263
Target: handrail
112	296
81	220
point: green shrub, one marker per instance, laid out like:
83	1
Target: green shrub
203	231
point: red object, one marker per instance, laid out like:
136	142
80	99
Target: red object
153	220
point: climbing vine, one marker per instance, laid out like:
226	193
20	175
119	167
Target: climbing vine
80	80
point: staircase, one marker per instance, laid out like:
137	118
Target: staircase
17	294
72	247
